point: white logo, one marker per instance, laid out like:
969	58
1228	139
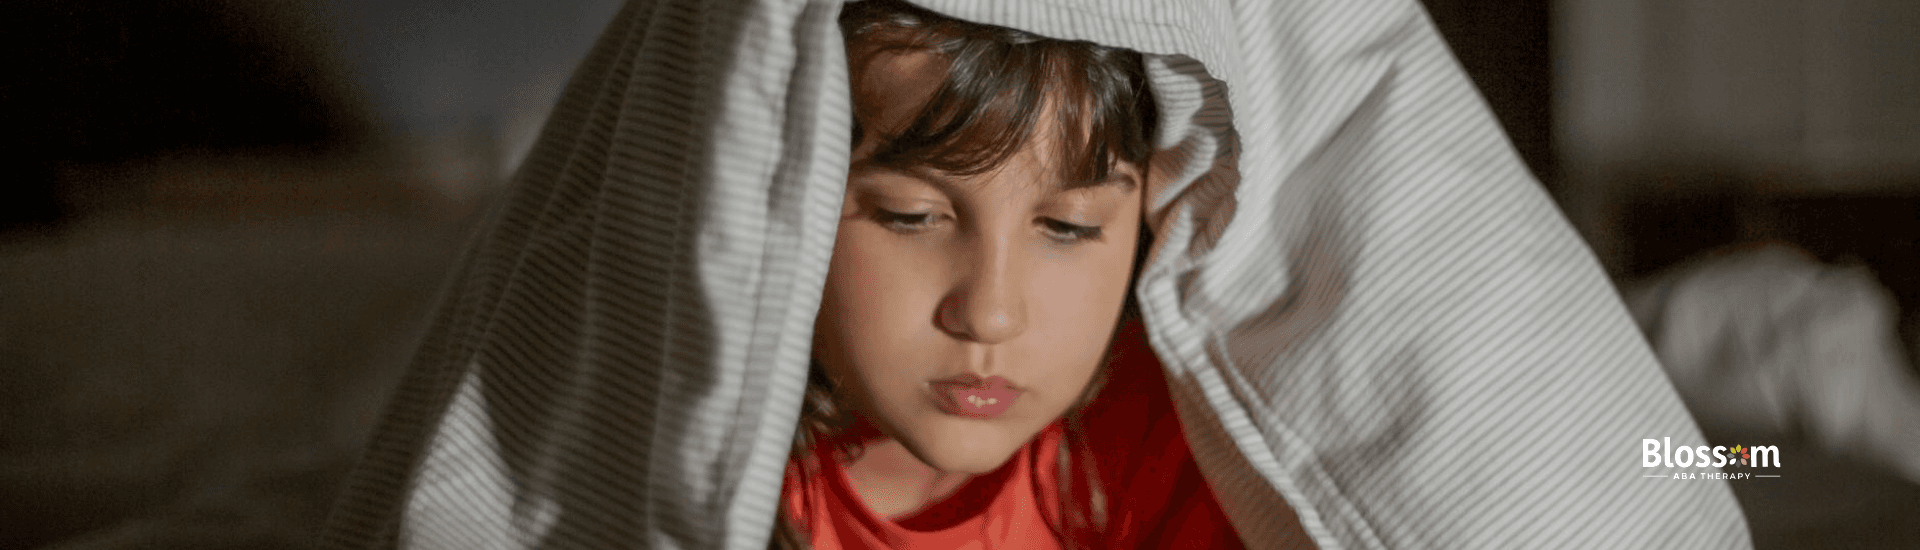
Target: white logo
1658	453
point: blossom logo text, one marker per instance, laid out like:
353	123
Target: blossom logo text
1657	453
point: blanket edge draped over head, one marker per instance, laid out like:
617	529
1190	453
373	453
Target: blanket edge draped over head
1375	324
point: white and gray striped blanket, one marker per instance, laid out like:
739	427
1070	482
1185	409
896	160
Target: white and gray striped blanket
1368	309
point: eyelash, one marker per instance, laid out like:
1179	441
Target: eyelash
1067	233
904	222
915	222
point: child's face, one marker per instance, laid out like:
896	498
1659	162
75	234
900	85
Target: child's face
1009	275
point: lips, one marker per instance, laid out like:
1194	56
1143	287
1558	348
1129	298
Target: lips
971	396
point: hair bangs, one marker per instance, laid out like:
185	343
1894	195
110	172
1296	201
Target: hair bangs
1001	85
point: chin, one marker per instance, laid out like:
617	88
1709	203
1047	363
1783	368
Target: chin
967	449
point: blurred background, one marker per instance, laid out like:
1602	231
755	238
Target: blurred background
229	219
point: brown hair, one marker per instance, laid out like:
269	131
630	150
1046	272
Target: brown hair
998	82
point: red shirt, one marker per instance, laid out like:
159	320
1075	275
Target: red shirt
1154	493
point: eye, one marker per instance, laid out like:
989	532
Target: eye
1067	233
904	222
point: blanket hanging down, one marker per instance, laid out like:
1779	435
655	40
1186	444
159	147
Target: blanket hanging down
1367	308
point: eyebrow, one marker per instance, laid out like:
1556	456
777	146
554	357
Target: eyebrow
1115	178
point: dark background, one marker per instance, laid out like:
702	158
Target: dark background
227	219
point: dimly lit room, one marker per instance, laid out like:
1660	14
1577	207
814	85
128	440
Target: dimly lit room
233	223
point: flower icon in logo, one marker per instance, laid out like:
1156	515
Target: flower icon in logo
1741	452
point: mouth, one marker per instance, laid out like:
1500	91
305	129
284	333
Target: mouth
971	396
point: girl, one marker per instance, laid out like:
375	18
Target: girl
986	243
913	240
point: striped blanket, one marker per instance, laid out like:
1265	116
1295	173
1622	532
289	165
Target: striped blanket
1367	307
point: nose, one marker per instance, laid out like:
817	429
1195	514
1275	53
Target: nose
989	305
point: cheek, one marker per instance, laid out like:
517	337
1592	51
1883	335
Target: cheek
1080	294
1075	306
875	309
862	277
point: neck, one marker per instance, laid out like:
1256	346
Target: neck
892	482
